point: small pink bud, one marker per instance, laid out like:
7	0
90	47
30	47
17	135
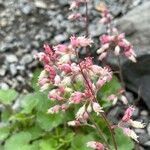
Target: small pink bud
95	145
128	114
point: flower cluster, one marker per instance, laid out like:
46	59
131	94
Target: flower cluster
113	40
126	120
63	71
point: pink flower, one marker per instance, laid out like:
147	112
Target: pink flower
74	41
106	39
60	49
128	114
48	50
100	83
130	133
95	145
54	109
52	72
65	67
76	97
81	41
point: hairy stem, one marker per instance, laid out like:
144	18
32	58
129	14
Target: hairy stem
120	72
102	114
99	130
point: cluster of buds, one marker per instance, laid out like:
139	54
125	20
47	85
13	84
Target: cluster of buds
75	5
127	121
62	71
118	95
113	40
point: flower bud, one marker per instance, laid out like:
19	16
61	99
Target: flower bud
80	112
137	124
117	50
97	108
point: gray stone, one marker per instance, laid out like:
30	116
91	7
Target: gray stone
148	128
61	38
27	9
26	59
143	138
144	113
3	70
147	143
63	2
4	86
136	112
140	131
11	58
13	69
40	4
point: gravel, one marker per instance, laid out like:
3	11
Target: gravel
32	23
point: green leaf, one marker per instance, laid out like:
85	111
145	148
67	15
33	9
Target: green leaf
49	144
18	141
123	142
110	87
6	113
79	142
29	102
49	121
37	101
7	96
4	132
35	80
35	131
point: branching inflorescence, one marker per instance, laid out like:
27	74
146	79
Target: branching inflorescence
63	69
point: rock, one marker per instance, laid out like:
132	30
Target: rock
27	9
130	98
143	138
114	114
63	2
140	131
147	143
13	69
148	128
96	29
137	28
40	4
11	58
144	113
4	86
2	70
136	113
61	38
26	59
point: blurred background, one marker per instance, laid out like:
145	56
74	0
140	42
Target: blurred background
25	25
